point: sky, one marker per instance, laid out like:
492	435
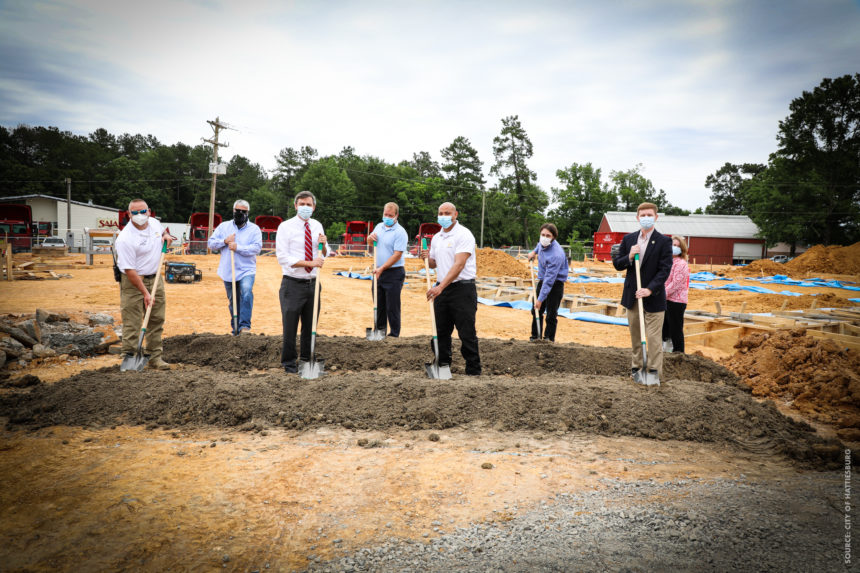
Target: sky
680	87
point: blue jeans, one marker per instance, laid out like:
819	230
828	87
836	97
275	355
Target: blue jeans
245	292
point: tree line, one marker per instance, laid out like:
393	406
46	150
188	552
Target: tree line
807	193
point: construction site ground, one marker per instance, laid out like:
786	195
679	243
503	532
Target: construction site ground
225	461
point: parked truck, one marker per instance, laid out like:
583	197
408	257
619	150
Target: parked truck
198	232
425	231
269	227
603	243
16	226
355	238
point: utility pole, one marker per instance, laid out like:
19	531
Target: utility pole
483	202
213	168
69	213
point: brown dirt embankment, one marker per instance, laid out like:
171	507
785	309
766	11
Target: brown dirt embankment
822	379
833	259
366	394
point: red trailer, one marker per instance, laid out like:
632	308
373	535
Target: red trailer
198	232
269	226
603	244
16	225
355	238
425	231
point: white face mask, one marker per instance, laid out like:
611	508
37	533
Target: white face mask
140	220
646	221
545	241
676	250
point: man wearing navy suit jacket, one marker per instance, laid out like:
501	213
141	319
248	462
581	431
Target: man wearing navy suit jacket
655	259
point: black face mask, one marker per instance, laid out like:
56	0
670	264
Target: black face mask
240	217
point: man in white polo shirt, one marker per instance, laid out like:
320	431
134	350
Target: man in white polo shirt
455	297
138	252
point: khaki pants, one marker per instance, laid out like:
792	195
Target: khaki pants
653	336
131	306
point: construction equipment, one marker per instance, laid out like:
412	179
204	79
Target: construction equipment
425	231
434	369
235	301
138	360
537	316
176	272
314	368
643	376
374	333
355	238
269	228
198	232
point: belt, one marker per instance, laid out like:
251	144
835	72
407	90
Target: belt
148	277
464	282
302	281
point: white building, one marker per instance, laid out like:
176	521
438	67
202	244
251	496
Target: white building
55	211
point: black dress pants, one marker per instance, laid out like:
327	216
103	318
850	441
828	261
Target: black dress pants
550	307
673	325
388	287
457	306
297	302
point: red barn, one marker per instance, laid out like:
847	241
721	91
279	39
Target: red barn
711	239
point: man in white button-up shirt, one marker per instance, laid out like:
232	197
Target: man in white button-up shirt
296	247
455	297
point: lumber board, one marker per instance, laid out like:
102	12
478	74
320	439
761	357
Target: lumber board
852	342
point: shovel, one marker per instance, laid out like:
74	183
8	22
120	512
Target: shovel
139	360
434	369
536	316
374	333
235	302
314	368
642	376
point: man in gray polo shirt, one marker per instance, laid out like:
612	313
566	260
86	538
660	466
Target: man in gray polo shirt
390	271
455	297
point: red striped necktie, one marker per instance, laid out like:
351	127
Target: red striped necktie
309	246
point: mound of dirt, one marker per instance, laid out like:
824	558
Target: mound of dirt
821	378
498	357
765	266
833	259
492	263
201	397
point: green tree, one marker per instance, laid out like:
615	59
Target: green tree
821	140
334	190
512	149
633	188
424	164
581	203
726	187
463	172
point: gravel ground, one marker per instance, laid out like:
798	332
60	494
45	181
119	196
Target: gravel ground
686	525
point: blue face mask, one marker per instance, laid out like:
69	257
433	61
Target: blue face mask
676	250
444	220
388	221
305	211
646	222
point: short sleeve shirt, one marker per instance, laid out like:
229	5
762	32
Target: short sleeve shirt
444	247
139	249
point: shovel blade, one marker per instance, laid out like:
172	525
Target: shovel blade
437	372
639	377
652	379
373	334
134	362
313	368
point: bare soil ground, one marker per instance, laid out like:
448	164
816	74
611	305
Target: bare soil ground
225	461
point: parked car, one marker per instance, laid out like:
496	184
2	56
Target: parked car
780	258
102	244
56	242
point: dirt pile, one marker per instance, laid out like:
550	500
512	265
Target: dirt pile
377	400
763	266
492	263
408	354
833	259
822	379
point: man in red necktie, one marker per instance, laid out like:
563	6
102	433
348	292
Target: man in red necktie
296	250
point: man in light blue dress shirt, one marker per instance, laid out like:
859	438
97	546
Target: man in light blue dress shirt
390	271
245	240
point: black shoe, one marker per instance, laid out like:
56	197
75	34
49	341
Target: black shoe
633	372
290	368
473	372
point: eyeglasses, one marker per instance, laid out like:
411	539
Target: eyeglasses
141	212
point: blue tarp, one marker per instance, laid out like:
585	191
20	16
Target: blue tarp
566	313
350	275
813	282
587	279
854	299
706	276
